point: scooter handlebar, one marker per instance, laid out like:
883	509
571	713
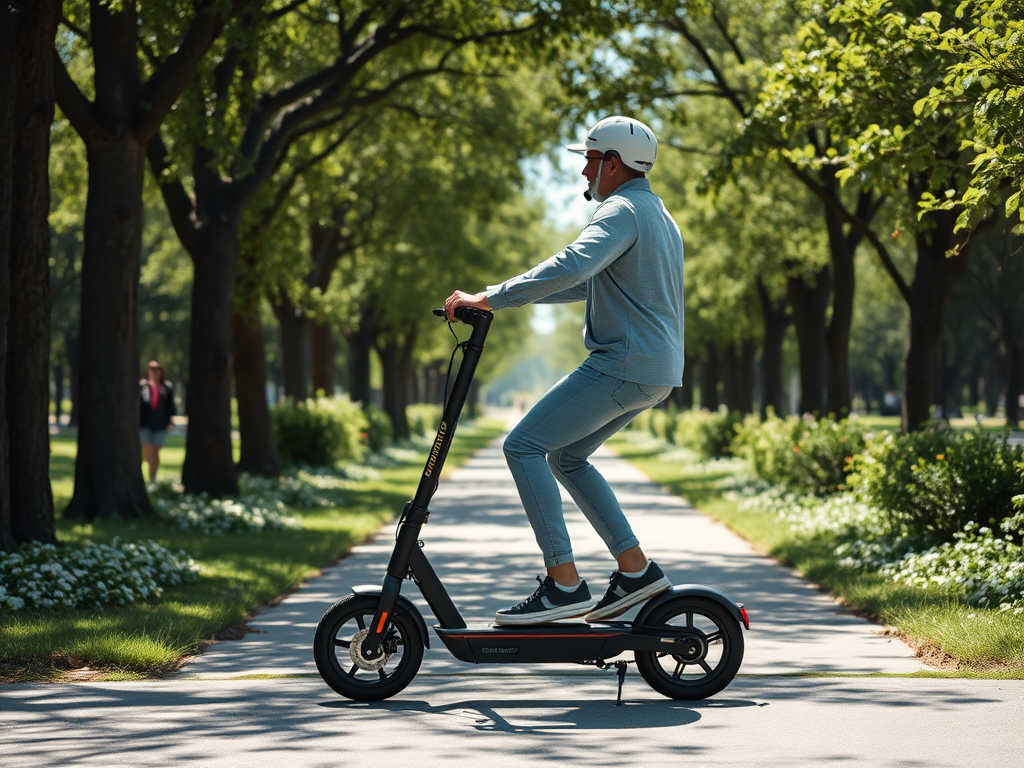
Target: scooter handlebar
467	315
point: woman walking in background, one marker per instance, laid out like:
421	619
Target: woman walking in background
156	414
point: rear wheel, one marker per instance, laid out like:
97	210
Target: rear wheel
336	651
708	660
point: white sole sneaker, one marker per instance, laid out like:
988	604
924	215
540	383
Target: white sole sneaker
619	607
542	617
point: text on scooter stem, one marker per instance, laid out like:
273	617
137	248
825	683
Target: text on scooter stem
435	450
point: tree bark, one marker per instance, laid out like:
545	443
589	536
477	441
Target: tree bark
360	342
258	453
837	334
709	378
209	467
809	303
108	475
776	318
58	392
296	345
1014	373
73	348
26	73
747	375
934	278
682	396
322	343
394	385
12	31
396	362
731	377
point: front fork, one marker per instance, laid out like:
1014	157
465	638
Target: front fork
408	537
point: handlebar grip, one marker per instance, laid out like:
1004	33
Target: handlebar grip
463	314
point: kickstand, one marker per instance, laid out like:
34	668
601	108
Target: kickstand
621	667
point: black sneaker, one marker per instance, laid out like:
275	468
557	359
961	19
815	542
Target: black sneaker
626	591
548	603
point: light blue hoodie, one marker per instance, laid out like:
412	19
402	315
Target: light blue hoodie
627	264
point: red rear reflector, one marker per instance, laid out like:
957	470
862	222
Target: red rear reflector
383	618
743	613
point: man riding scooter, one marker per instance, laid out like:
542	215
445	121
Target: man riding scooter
627	265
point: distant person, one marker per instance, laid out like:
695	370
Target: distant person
156	414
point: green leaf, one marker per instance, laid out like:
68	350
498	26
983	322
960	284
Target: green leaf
1012	204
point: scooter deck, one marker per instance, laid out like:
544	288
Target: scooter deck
553	643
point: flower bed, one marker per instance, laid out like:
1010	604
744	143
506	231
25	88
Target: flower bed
246	514
90	575
986	568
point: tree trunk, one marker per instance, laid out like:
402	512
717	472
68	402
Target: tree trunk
394	386
994	383
747	376
209	467
709	379
73	347
809	303
256	432
731	377
12	31
295	346
27	401
360	345
934	278
691	364
837	335
682	396
108	475
776	319
1014	374
58	392
322	348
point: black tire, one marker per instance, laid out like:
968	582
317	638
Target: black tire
331	644
713	670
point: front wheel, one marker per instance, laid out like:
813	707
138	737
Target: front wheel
710	658
336	651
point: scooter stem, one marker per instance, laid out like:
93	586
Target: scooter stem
415	513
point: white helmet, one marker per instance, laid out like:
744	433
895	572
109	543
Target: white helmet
633	141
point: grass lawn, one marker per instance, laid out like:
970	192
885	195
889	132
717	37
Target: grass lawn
996	424
240	572
954	636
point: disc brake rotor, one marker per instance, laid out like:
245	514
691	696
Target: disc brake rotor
355	651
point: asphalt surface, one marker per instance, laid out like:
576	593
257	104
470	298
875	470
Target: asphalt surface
802	697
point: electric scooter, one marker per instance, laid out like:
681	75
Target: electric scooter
687	642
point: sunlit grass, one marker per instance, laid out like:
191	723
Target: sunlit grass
981	641
239	572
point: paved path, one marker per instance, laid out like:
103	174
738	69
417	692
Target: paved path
259	701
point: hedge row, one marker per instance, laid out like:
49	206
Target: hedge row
935	481
327	430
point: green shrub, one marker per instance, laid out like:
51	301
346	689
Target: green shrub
642	422
806	456
319	432
380	432
939	481
659	423
424	418
709	434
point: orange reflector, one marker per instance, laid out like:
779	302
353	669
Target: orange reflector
380	625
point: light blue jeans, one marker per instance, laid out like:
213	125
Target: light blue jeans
555	440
